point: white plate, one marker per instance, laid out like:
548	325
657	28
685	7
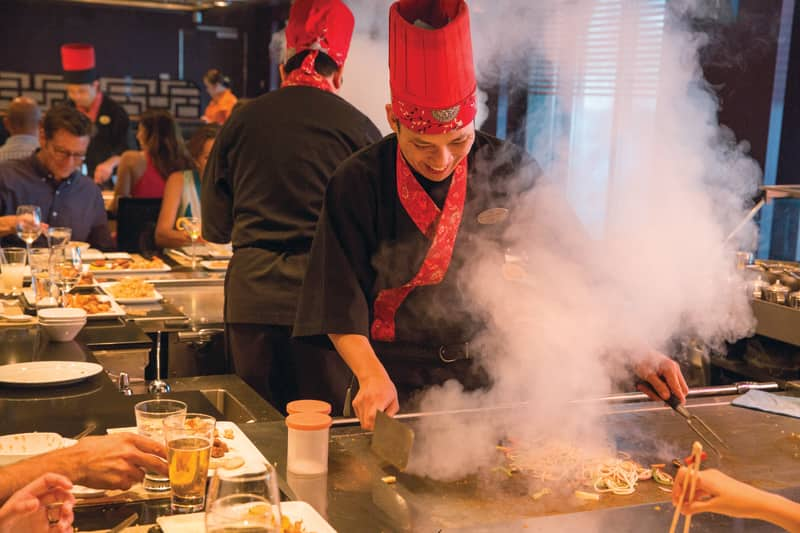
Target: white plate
239	445
155	298
47	373
243	447
215	265
194	522
117	255
87	256
114	312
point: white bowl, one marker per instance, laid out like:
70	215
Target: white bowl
60	314
62	332
21	446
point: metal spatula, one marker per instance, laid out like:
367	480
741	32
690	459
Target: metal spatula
392	440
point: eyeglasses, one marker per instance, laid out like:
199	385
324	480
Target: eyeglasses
64	154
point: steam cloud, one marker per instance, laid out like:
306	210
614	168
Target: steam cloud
644	265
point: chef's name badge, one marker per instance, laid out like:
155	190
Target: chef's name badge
105	120
493	215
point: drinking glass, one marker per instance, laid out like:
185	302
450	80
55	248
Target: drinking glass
188	438
242	513
58	238
68	273
13	269
150	415
29	224
263	483
192	227
41	277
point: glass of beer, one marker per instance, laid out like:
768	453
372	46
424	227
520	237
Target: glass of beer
189	438
241	513
150	415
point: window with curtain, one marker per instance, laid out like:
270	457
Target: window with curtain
592	92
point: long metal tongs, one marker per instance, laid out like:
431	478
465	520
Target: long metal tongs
693	421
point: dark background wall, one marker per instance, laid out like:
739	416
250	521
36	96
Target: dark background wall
142	43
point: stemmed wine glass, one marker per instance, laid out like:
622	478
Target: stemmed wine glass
192	227
29	224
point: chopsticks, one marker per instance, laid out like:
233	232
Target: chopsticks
694	470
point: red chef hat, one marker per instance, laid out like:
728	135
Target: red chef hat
77	59
324	25
431	72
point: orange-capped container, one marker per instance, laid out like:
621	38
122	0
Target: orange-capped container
307	449
308	406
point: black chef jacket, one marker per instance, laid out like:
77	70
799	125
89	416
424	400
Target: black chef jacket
110	133
263	189
367	242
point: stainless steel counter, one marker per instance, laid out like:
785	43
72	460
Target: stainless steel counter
762	453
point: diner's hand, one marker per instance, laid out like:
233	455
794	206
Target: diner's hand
103	172
719	493
663	375
26	510
375	393
115	461
8	225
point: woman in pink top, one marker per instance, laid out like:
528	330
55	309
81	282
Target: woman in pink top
143	173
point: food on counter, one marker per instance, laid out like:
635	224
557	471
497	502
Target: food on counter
539	494
559	462
136	262
90	303
287	526
219	448
132	288
589	496
218	264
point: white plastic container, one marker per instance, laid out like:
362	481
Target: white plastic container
307	450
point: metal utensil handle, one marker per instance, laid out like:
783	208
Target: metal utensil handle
699	392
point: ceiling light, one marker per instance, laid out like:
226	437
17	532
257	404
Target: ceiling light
222	3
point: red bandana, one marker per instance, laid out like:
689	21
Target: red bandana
439	225
432	121
307	75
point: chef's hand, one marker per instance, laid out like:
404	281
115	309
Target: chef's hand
26	510
103	172
664	376
375	393
115	461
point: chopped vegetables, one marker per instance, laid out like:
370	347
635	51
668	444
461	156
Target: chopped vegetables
662	478
541	493
589	496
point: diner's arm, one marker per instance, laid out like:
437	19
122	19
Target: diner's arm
376	392
131	167
105	462
719	493
166	234
8	225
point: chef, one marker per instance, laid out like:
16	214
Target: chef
110	120
263	188
404	216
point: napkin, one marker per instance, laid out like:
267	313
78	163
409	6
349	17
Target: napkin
770	403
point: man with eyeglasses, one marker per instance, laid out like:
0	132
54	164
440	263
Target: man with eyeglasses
51	179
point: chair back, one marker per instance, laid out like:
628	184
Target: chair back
136	224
